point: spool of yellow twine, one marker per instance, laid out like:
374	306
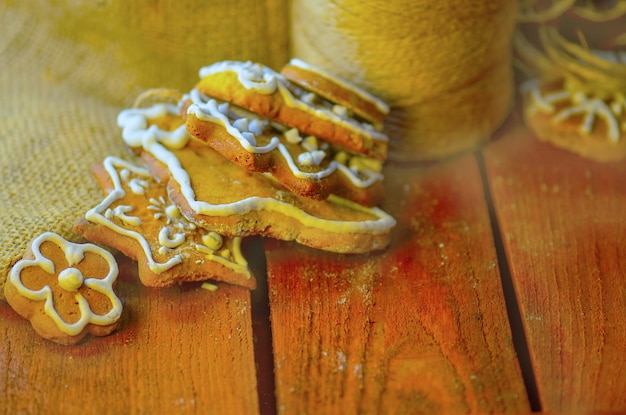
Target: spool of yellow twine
444	67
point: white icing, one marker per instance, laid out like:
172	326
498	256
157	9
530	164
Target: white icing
340	110
137	186
213	111
238	262
540	102
125	174
365	129
135	128
241	124
309	98
95	215
166	239
311	158
121	211
256	126
74	254
262	79
292	136
589	108
151	144
380	105
370	177
249	137
169	212
253	76
209	111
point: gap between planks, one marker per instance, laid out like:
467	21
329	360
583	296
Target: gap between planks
262	331
518	333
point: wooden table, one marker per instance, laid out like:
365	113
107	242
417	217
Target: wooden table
502	292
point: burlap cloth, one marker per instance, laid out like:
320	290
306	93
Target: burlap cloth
68	67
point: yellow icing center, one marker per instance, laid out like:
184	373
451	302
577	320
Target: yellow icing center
71	279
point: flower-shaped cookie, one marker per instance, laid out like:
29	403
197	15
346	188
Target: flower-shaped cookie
65	289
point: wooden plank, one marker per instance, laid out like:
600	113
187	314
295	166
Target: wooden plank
420	328
178	350
563	224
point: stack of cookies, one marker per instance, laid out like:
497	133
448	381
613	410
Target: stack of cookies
295	156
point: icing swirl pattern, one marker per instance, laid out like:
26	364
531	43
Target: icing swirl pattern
564	103
246	128
42	280
176	239
139	128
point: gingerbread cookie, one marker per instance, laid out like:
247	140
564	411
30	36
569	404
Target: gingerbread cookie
65	289
137	218
574	97
574	120
217	194
267	93
331	90
305	165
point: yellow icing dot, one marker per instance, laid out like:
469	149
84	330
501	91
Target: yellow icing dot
363	163
293	136
172	211
212	240
71	279
310	143
209	286
341	157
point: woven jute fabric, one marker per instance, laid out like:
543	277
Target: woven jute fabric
69	67
443	66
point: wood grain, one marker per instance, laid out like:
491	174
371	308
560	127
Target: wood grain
563	223
178	350
420	328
